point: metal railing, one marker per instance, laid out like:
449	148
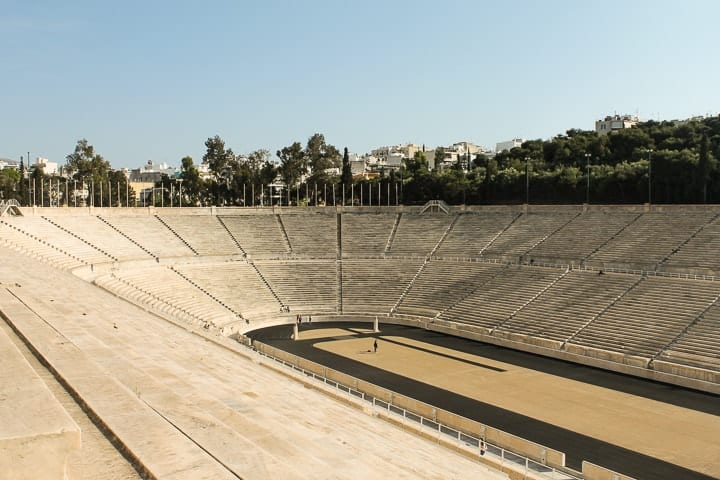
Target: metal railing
471	444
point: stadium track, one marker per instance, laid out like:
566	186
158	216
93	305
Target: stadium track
577	446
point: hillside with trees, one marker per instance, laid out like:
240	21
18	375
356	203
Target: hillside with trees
661	162
668	162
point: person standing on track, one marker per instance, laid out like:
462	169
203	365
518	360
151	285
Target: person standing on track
375	346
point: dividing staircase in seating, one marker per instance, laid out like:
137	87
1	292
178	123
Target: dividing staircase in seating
132	240
110	256
391	237
176	234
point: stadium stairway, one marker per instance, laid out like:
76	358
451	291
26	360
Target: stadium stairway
109	255
393	232
284	234
141	247
176	234
607	307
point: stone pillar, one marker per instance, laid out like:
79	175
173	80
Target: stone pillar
296	331
375	325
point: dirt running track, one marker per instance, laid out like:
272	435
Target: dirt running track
644	429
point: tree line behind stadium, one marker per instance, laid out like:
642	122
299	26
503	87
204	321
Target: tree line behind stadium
667	162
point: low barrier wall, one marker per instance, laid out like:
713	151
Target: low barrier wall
658	370
696	379
521	446
595	472
686	371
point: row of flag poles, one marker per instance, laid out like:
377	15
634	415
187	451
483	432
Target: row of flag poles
87	197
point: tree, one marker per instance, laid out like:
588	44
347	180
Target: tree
293	164
192	184
256	162
22	190
217	157
321	157
704	167
346	176
89	168
418	165
439	156
10	183
85	164
122	192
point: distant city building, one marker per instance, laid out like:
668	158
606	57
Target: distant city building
509	145
152	172
358	164
460	152
615	122
7	163
407	150
142	180
48	167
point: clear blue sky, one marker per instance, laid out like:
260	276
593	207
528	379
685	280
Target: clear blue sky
154	79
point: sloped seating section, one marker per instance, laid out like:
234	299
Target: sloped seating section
700	253
649	240
650	316
204	233
526	232
260	236
312	235
148	231
16	239
441	284
373	287
417	235
236	284
291	261
472	233
164	290
581	237
93	230
43	230
700	344
568	305
496	300
303	285
365	234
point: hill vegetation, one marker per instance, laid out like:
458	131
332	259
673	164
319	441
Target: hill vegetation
667	162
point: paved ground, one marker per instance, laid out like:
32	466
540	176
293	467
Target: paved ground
637	427
97	458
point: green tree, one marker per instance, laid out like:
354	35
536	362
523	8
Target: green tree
89	168
257	162
85	164
122	193
217	157
10	184
439	157
22	188
321	158
704	168
418	165
293	164
193	187
346	176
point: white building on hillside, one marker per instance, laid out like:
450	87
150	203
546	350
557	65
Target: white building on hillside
48	167
615	122
509	145
7	163
463	152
